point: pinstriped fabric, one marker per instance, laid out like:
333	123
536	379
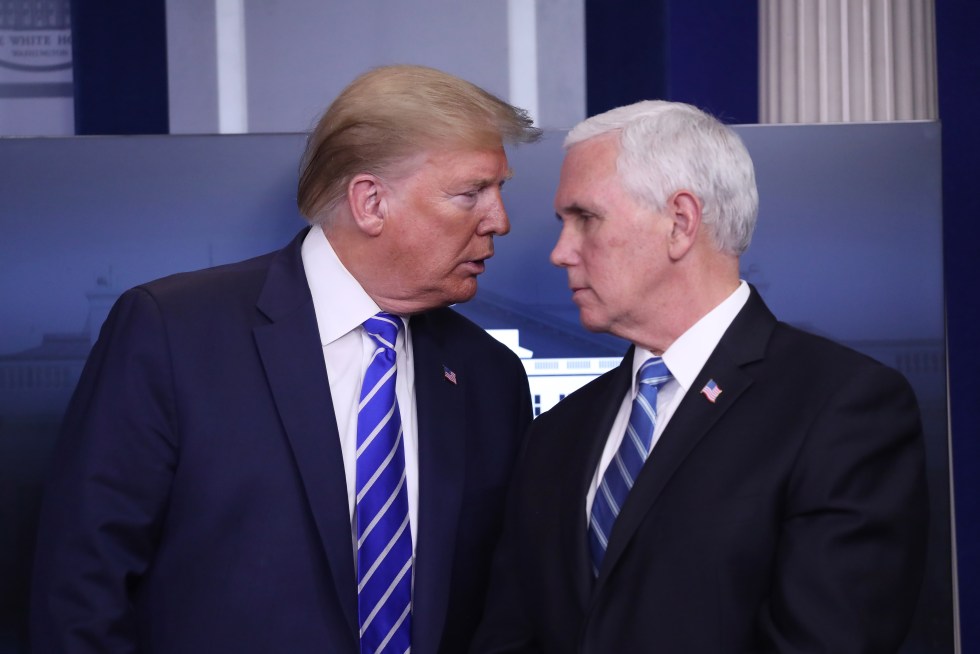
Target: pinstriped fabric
626	465
384	539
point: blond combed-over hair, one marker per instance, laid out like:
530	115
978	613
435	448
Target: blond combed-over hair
391	113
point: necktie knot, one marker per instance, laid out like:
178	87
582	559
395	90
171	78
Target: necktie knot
651	376
383	328
653	372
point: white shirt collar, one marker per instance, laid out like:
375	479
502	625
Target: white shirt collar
340	303
687	355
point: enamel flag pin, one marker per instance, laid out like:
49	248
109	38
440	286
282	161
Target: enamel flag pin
711	391
448	374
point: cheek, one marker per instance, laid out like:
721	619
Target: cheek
438	255
614	271
601	259
440	241
457	239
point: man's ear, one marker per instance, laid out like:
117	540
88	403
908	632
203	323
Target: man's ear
366	199
684	209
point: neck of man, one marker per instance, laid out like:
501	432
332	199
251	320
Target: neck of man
693	296
368	263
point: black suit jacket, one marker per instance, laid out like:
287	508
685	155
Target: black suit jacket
787	516
198	501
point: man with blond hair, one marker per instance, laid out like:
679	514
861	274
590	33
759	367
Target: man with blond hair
306	451
736	485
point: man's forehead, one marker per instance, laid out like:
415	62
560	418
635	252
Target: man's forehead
590	159
454	167
602	145
468	161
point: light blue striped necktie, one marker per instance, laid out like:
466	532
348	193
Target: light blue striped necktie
384	538
626	465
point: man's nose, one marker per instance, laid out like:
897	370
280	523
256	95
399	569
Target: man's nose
495	221
563	254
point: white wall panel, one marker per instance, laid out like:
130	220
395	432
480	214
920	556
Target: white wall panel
294	56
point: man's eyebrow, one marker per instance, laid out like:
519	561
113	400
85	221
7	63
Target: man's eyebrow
484	182
574	209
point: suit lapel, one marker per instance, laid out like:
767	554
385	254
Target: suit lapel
585	434
289	347
743	343
441	451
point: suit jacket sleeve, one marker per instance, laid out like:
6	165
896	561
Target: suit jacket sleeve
849	560
108	488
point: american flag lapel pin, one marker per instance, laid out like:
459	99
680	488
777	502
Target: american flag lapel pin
711	391
448	374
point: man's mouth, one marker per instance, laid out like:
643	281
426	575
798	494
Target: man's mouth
475	266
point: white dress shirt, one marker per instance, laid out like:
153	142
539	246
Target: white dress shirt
341	306
684	358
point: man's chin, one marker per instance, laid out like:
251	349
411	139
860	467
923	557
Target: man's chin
592	323
463	293
464	297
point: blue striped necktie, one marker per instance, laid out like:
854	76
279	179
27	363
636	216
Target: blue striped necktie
384	539
626	465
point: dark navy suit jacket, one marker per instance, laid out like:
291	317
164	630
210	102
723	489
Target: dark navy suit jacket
198	503
787	516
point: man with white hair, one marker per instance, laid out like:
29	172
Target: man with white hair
736	485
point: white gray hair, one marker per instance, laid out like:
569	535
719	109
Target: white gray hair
666	147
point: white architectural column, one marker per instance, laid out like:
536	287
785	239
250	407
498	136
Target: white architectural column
522	49
825	61
232	66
